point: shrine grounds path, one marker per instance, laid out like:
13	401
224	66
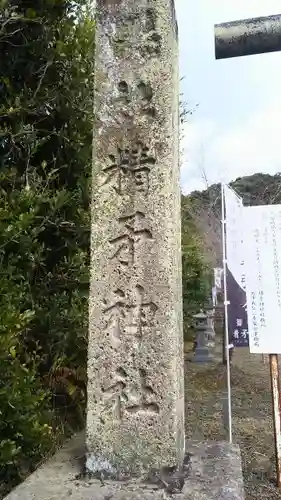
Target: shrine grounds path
251	414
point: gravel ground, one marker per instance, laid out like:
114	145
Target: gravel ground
251	414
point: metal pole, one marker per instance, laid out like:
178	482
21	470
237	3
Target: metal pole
275	388
226	318
248	37
223	343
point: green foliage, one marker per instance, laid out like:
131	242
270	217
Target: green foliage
196	275
195	269
46	121
24	429
256	189
259	189
205	207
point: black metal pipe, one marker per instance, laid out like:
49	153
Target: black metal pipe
248	37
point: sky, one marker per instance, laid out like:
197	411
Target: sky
236	128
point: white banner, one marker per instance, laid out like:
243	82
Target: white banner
235	270
262	252
218	277
234	240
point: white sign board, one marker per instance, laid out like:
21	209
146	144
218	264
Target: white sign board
234	241
262	253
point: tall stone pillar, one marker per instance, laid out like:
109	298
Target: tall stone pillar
135	415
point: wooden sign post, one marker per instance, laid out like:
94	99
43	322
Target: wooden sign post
242	38
275	389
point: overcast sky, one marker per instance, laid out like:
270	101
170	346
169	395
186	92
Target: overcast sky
236	129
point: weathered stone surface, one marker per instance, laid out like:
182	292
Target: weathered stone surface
214	474
135	365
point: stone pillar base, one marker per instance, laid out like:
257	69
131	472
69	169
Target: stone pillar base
212	471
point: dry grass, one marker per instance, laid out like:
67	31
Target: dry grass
251	412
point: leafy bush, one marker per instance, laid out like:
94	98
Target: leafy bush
46	121
24	429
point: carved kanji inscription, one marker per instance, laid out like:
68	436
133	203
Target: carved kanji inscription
135	410
133	316
133	231
132	395
129	169
140	315
115	313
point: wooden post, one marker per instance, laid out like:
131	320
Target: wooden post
275	388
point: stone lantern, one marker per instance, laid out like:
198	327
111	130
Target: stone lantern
210	331
202	349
